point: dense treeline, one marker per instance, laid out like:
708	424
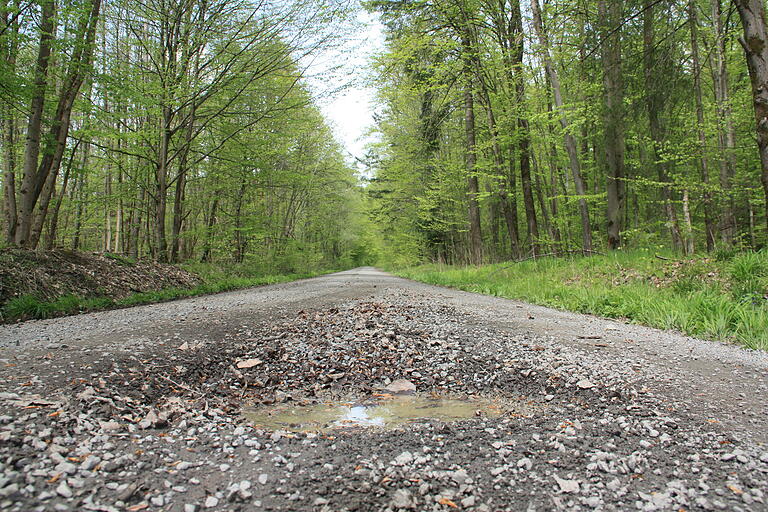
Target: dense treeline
525	127
175	129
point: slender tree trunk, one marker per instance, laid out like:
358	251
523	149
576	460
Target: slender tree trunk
79	195
689	243
611	14
726	132
206	257
755	44
654	105
498	161
8	142
161	187
568	139
135	227
54	220
523	127
473	187
28	191
709	225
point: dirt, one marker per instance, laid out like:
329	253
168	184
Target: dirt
53	274
142	408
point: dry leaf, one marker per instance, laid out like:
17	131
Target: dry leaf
446	501
249	363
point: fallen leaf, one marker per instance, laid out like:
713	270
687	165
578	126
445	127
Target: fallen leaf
735	489
249	363
446	501
140	506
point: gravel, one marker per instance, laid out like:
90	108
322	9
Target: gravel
140	409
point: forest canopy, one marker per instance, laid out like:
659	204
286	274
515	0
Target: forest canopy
520	128
174	129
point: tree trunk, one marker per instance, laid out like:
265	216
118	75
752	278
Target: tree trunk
29	183
161	187
206	257
40	179
654	105
755	44
709	226
9	51
611	15
473	187
53	223
568	139
523	128
726	131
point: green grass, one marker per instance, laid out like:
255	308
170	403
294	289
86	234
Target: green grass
215	280
717	298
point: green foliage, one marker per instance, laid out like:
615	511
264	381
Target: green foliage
748	275
627	286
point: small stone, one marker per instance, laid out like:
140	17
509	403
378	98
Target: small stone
224	467
567	486
190	508
403	459
593	502
469	501
263	478
401	387
183	465
157	501
460	476
402	499
66	467
211	501
319	502
585	384
525	463
90	462
63	490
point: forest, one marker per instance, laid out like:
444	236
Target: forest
173	130
186	130
516	129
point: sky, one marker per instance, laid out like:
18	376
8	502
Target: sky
344	97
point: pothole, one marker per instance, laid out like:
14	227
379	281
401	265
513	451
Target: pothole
387	411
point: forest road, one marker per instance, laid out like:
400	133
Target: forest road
142	408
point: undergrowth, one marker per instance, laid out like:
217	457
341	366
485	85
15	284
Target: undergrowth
215	279
722	298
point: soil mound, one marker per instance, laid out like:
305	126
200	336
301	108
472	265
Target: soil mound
53	274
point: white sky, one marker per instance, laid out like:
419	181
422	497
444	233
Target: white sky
349	109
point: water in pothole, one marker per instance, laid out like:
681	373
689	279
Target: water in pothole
390	412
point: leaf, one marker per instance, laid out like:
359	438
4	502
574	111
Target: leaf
249	363
446	501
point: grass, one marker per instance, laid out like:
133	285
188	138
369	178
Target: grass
215	280
721	298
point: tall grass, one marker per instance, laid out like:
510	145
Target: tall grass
721	300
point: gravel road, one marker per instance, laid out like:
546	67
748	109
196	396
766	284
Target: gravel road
142	408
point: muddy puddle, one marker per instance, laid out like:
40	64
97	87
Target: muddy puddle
389	412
